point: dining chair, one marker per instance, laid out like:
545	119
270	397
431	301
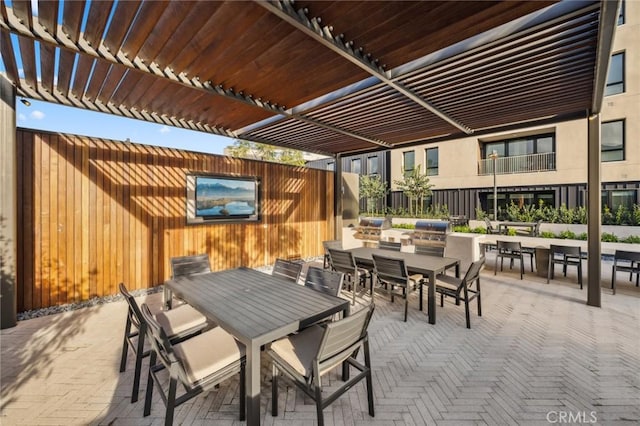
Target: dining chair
307	356
179	323
625	261
287	269
324	280
188	265
462	289
565	256
198	364
337	244
511	250
343	261
490	228
430	250
389	245
391	273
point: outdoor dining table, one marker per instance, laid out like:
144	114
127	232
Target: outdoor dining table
429	266
256	308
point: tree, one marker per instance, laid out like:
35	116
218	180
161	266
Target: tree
263	152
416	187
372	188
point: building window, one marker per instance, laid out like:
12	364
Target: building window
372	165
612	144
616	198
621	16
536	144
355	166
520	199
408	162
615	78
432	161
331	166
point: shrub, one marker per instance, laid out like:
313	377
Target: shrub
635	215
608	238
547	234
462	228
582	236
511	232
403	226
623	216
607	216
479	230
631	239
567	235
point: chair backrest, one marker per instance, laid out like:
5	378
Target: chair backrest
631	256
135	316
162	346
324	280
430	250
188	265
342	261
287	269
473	273
342	337
563	250
390	269
388	245
536	229
509	246
336	244
488	223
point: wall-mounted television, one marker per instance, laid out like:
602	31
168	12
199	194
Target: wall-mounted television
222	198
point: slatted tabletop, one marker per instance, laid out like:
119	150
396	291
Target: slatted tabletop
257	309
428	266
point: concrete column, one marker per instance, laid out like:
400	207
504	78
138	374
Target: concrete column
594	268
8	205
337	191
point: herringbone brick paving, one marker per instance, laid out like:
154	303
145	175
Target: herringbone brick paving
538	355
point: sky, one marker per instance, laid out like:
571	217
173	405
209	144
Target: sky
59	118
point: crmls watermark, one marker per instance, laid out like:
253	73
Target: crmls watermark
581	417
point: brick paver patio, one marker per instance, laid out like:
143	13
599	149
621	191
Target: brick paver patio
538	355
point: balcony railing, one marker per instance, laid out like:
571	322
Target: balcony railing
519	164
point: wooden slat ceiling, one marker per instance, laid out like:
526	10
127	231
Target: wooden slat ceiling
370	75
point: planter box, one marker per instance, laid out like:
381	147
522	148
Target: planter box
556	228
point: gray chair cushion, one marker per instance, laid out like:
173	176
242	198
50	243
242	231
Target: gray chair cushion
178	320
208	353
299	350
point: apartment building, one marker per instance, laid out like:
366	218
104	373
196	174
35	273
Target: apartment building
533	163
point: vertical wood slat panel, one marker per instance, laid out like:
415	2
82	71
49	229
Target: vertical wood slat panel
97	212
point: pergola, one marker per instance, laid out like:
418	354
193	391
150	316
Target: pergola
334	77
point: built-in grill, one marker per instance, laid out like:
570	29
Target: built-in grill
371	229
431	233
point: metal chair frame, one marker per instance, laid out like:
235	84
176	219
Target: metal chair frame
162	350
392	272
463	288
511	250
134	337
287	269
340	343
625	261
570	256
343	261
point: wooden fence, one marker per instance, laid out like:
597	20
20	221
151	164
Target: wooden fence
93	213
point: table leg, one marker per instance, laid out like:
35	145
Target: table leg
345	365
253	384
431	297
167	296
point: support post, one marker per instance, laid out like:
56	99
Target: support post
337	193
8	205
594	212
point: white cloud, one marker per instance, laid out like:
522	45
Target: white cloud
165	129
37	115
22	117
